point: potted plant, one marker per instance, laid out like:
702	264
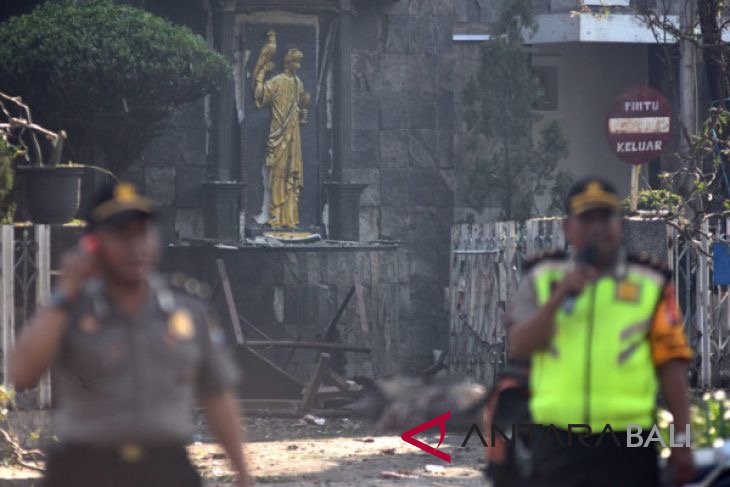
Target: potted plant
52	191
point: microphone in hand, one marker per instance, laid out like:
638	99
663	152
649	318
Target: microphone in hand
589	256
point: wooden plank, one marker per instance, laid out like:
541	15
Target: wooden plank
254	328
311	345
452	278
310	394
361	308
335	393
290	356
339	381
470	284
505	236
328	334
478	264
230	302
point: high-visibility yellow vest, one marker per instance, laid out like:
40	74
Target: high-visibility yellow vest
598	369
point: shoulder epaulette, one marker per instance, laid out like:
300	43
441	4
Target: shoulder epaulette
644	259
190	286
542	257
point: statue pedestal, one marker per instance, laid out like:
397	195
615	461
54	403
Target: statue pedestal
222	210
344	210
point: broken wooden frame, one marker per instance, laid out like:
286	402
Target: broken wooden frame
274	385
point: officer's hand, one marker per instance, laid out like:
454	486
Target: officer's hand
682	465
574	282
76	268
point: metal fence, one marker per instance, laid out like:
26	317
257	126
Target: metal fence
706	307
25	282
486	265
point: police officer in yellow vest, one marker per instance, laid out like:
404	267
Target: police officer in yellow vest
603	333
132	354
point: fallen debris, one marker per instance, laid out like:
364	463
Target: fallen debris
435	469
396	475
309	419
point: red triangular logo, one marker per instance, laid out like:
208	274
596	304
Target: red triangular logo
438	420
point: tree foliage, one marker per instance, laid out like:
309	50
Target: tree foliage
7	179
703	177
516	167
108	74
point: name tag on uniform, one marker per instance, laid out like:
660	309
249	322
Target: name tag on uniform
628	291
180	325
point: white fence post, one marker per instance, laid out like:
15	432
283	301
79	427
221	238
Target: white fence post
7	295
722	343
703	314
43	292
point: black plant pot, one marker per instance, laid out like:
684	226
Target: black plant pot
52	194
91	182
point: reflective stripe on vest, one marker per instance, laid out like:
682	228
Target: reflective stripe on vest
597	369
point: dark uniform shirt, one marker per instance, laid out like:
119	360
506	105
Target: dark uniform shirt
137	379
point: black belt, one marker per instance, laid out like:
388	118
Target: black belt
128	452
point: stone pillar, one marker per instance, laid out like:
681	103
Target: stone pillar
221	210
221	188
343	92
343	198
225	99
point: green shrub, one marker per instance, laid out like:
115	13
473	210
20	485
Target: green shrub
709	421
7	178
655	200
108	74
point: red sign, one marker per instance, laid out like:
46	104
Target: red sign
639	124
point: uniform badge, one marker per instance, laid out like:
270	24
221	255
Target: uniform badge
89	324
180	325
628	291
131	452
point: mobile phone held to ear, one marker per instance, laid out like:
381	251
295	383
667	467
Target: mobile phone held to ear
89	243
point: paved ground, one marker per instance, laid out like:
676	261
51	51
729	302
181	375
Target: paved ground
342	452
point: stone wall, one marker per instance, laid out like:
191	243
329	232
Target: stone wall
402	142
293	293
407	75
172	168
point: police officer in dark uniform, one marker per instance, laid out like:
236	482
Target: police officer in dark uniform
131	353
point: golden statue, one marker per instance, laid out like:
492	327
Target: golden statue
283	170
